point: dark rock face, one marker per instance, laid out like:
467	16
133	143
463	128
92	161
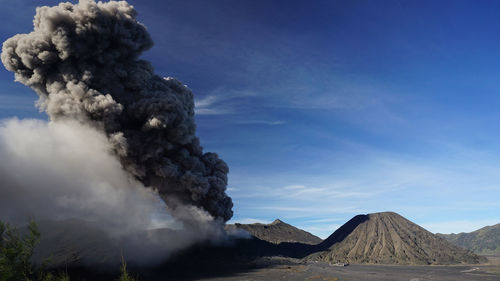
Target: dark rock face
482	241
388	238
278	232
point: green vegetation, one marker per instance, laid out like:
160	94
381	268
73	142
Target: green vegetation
125	276
61	277
16	251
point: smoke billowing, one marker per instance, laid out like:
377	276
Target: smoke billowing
119	136
82	60
63	171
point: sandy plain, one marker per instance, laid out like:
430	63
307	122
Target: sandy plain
290	269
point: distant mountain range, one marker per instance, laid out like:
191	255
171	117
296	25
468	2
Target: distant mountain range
379	238
482	241
277	232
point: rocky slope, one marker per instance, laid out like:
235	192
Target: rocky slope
278	232
388	238
482	241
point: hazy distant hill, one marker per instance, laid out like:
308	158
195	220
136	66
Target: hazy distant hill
482	241
388	238
278	232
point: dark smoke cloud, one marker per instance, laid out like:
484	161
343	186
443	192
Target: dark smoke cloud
83	62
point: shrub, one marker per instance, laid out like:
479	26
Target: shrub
124	274
16	251
15	257
50	277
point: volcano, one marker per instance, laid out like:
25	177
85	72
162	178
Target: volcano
278	232
388	238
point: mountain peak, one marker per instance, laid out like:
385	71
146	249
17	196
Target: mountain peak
385	214
278	232
277	221
389	238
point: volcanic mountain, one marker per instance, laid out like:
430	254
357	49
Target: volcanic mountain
482	241
277	232
388	238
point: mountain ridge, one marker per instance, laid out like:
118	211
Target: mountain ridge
277	232
485	240
379	238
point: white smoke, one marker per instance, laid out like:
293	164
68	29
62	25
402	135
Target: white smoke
64	171
59	170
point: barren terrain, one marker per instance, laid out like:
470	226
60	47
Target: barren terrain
277	232
388	238
290	269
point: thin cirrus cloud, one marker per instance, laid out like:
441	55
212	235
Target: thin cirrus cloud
321	231
458	226
235	103
207	106
222	101
261	122
353	100
253	220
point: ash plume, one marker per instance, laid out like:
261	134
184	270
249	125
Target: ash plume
83	62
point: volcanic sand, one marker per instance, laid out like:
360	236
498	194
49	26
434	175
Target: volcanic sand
292	269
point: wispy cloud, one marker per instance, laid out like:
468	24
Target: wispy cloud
223	101
458	226
249	221
208	106
294	186
323	220
305	192
237	103
261	122
211	111
206	101
307	211
322	231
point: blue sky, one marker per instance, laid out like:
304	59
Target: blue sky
328	109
